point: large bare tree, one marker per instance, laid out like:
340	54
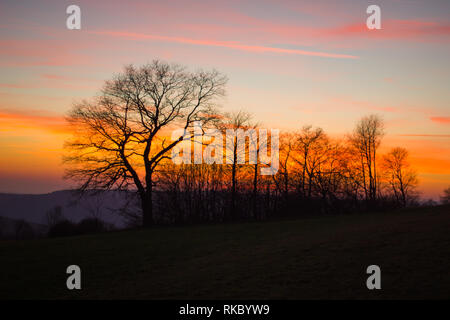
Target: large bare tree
122	136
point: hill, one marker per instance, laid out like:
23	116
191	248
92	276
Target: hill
311	258
33	207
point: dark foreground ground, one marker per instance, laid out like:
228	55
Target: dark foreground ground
317	258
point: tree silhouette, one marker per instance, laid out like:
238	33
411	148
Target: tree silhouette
121	137
446	197
400	177
235	151
366	139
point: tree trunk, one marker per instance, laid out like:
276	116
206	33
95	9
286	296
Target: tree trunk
233	183
147	205
255	191
233	192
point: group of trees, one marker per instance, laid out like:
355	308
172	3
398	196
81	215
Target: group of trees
122	142
59	226
316	174
445	199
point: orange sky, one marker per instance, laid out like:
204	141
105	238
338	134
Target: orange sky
290	63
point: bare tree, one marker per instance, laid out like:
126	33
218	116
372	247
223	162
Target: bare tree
23	230
288	144
311	145
401	178
235	150
255	142
121	137
366	139
332	173
445	199
54	216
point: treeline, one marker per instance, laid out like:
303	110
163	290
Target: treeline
316	175
59	226
120	142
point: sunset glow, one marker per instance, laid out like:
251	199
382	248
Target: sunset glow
289	63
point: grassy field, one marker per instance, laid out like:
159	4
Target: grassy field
316	258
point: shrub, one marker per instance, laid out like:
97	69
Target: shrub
91	225
23	230
62	229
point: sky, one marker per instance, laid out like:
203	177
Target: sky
289	62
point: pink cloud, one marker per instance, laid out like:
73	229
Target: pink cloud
236	25
410	30
426	135
393	29
54	77
38	53
224	44
16	86
441	120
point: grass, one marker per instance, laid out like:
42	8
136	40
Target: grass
316	258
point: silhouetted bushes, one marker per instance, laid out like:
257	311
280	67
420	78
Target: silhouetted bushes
23	230
62	229
91	225
67	228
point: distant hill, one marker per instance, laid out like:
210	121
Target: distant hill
33	207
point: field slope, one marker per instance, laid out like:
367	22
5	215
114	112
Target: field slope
306	258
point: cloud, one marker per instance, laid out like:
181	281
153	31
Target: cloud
426	135
224	44
38	53
278	32
392	29
229	20
54	77
16	86
441	120
12	120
